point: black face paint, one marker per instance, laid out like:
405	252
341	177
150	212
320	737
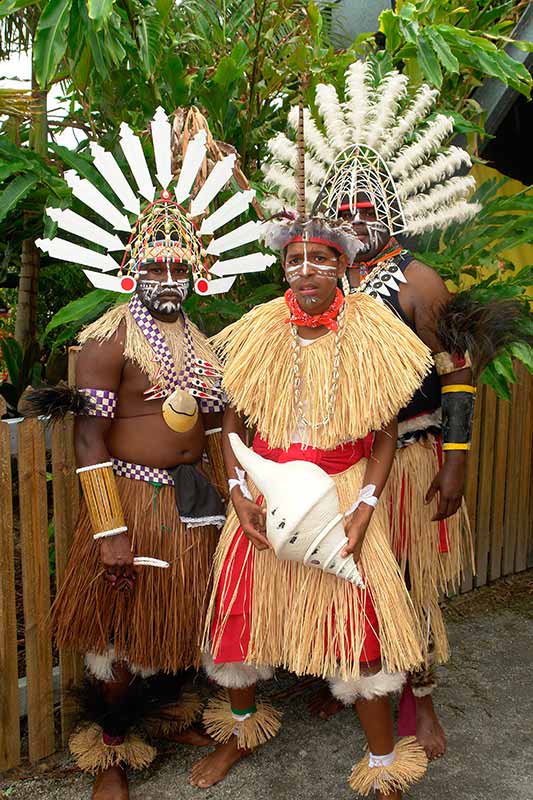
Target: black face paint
150	294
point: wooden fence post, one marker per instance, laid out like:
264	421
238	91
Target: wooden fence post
36	588
66	507
9	692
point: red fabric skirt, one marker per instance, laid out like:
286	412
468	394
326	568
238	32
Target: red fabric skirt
231	622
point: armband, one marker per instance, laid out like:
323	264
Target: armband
103	502
445	363
101	402
457	416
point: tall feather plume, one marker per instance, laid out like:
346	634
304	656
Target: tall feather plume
357	78
391	92
286	152
409	158
282	149
443	217
420	107
444	194
484	328
445	164
315	141
280	179
331	112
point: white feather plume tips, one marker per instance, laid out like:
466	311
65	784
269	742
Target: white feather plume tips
393	89
444	217
315	141
421	106
332	113
357	76
445	164
441	195
427	142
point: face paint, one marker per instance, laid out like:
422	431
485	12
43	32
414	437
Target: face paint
150	293
305	267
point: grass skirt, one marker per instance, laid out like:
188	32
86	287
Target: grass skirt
434	554
158	624
309	621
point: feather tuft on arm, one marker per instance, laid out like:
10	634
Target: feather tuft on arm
55	402
483	328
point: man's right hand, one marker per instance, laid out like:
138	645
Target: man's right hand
252	519
117	557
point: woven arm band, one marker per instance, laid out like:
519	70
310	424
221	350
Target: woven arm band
102	499
102	402
457	415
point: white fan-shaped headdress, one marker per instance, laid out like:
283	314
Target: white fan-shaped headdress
380	142
166	226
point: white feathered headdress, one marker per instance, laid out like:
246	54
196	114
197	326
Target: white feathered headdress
377	141
168	227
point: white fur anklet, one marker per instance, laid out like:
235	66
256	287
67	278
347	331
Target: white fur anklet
366	687
235	675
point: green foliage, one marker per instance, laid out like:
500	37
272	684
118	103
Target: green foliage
51	39
454	47
23	369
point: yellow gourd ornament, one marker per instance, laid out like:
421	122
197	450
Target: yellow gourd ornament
180	411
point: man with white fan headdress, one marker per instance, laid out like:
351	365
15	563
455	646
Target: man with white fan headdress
309	582
148	405
379	161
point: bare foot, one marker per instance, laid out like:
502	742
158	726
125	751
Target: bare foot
324	705
192	736
429	732
393	796
214	767
111	784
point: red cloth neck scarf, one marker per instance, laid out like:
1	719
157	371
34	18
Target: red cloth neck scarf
328	319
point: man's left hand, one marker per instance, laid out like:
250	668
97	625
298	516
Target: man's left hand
449	482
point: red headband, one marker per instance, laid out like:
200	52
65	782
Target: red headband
317	240
362	204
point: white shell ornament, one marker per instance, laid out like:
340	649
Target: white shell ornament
303	521
180	411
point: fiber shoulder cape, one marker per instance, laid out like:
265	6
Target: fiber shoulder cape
137	348
382	363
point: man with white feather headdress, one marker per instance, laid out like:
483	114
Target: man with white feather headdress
305	577
379	160
148	404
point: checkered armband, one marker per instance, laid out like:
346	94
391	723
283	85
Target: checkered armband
101	402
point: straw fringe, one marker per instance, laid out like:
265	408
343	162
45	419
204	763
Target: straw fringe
137	348
156	625
93	755
382	363
219	723
316	624
415	539
409	766
176	718
216	467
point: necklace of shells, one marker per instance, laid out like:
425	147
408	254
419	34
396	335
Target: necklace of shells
333	386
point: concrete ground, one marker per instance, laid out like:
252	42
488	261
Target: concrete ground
485	701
